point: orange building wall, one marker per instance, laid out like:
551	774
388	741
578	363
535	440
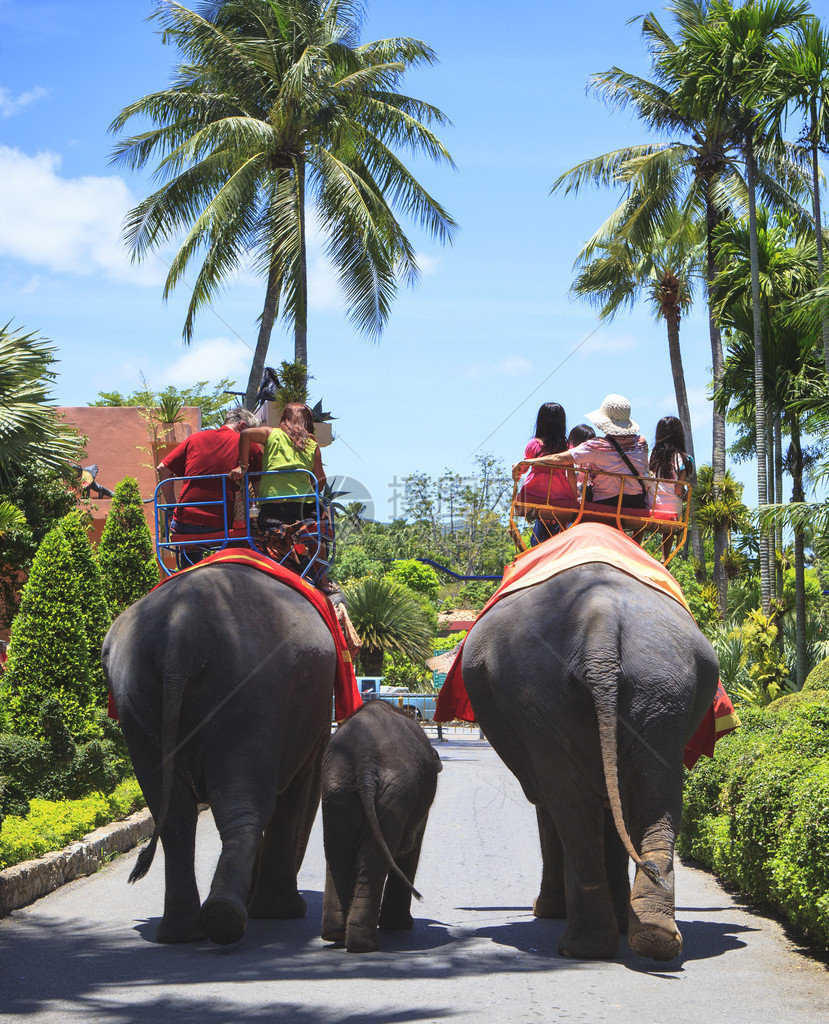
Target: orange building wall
119	441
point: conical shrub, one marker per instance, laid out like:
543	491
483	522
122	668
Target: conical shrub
126	555
48	654
96	615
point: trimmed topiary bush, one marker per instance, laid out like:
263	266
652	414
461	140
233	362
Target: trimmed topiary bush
97	619
48	652
126	554
818	678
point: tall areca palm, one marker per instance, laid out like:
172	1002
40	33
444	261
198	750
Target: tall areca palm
726	63
277	108
697	170
803	82
615	273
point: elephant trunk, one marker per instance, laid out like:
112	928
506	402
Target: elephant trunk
367	788
607	738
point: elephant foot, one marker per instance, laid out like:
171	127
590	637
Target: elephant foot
222	920
654	940
331	933
395	920
361	940
179	930
588	946
333	925
550	905
277	908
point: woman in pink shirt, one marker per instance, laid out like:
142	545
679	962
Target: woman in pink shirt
545	485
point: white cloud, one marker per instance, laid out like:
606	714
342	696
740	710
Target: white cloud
211	360
11	105
605	341
66	225
515	366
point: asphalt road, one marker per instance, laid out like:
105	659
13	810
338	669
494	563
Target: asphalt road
476	954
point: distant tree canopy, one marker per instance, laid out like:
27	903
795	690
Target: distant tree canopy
212	400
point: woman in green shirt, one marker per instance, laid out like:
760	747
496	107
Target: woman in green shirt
288	497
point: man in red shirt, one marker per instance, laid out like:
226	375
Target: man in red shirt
205	453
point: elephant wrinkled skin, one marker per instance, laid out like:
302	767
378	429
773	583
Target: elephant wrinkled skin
223	679
588	686
379	777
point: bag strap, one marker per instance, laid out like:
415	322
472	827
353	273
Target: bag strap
626	461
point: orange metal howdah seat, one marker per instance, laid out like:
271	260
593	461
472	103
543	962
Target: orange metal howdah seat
642	524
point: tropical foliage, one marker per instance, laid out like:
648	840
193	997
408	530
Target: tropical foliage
126	554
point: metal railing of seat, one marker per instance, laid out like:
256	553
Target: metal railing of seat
243	532
643	524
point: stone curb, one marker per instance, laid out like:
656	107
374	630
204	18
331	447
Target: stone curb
28	881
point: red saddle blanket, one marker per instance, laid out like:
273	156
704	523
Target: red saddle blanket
346	693
589	542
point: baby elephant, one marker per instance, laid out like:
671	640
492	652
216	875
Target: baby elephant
379	776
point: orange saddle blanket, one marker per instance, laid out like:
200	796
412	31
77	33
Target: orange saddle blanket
589	542
346	693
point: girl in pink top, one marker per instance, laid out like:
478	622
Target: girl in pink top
672	463
544	485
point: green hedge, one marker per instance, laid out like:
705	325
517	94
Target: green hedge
50	825
758	812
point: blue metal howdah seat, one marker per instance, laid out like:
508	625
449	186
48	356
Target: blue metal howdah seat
642	524
309	557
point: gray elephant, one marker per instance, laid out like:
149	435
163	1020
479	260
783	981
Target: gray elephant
223	680
379	777
588	685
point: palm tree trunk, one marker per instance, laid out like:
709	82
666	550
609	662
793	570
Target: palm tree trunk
301	320
801	653
778	500
672	320
824	315
759	383
266	322
718	443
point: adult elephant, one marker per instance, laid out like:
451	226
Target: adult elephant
588	685
223	680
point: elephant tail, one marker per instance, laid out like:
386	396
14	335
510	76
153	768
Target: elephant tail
367	789
171	701
610	757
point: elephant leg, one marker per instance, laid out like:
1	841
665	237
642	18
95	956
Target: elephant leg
617	863
592	931
223	916
550	901
364	911
180	921
653	807
274	894
396	909
341	824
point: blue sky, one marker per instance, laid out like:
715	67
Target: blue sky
469	354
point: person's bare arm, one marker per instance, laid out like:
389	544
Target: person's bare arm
168	489
317	469
250	435
559	460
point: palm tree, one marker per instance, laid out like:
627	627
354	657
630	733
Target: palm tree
30	432
726	64
388	617
615	273
276	108
803	81
792	366
697	170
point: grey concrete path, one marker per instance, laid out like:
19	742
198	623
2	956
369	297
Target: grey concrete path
476	954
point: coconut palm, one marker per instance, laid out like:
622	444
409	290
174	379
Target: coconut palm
614	274
276	109
30	432
726	63
388	617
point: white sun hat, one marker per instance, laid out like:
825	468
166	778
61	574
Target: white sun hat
613	416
